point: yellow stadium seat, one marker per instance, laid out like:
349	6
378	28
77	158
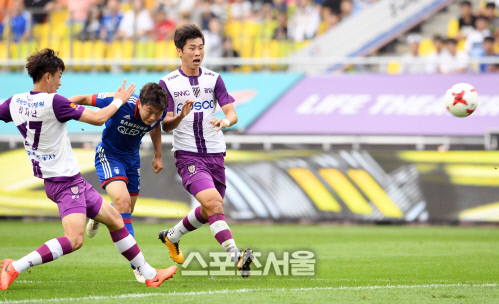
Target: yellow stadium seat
77	54
57	21
127	54
171	52
64	49
426	47
460	45
322	28
160	51
41	31
393	67
452	28
3	52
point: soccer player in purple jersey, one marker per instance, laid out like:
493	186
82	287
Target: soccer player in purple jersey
199	144
40	116
117	159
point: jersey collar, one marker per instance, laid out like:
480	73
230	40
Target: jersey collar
136	114
192	79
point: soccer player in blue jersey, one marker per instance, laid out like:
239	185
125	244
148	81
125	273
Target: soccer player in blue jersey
40	116
199	144
117	159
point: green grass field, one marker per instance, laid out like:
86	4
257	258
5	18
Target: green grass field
378	264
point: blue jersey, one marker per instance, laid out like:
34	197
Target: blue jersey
124	130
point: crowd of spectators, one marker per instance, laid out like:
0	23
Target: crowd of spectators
156	20
476	36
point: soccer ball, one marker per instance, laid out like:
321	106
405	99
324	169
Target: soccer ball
461	99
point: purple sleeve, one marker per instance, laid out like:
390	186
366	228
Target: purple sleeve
170	99
65	110
221	93
5	111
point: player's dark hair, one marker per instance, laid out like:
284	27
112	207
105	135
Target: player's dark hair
154	95
489	39
490	5
482	18
44	61
438	38
466	2
186	32
451	40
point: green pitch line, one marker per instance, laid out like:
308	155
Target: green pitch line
395	264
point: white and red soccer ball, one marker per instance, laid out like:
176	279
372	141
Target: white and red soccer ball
461	99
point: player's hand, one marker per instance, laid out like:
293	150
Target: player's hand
218	122
186	108
157	165
124	94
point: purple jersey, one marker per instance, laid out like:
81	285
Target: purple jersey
41	118
195	133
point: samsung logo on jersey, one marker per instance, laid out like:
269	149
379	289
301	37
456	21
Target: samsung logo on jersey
198	105
128	131
181	93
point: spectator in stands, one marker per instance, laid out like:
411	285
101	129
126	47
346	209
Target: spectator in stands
136	23
333	5
454	61
435	57
205	14
111	20
305	22
220	9
164	27
466	21
185	18
488	51
240	9
281	32
92	27
20	22
413	62
79	10
329	18
490	14
279	5
39	9
213	39
229	52
349	8
474	40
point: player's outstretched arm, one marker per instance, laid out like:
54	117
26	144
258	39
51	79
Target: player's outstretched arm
171	122
100	117
229	120
157	163
85	100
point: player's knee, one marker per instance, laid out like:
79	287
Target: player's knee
214	206
123	204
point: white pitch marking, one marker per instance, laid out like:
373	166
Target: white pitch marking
226	291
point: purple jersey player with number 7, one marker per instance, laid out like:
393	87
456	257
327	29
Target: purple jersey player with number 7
40	116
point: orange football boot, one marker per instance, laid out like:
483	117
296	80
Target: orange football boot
161	276
9	274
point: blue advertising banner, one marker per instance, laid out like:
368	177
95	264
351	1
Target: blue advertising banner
254	93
